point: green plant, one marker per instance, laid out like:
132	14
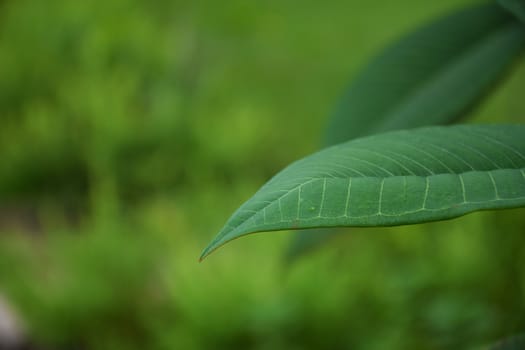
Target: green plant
372	175
396	178
117	142
416	175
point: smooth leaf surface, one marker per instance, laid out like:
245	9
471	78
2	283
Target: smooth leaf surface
437	71
431	76
517	7
396	178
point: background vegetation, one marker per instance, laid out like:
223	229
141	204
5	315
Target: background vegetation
132	129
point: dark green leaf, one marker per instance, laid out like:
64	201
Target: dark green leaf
517	7
430	76
396	178
437	72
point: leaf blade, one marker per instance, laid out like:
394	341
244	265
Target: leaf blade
424	68
396	178
517	7
417	75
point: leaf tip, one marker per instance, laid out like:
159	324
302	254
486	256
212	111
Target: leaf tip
207	251
210	249
220	240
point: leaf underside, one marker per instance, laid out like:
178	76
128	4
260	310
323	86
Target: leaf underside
396	178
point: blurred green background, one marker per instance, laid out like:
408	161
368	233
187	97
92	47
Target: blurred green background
132	129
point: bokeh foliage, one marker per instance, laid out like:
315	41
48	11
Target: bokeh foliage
131	129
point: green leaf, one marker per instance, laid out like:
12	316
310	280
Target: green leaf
437	71
517	7
396	178
431	76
